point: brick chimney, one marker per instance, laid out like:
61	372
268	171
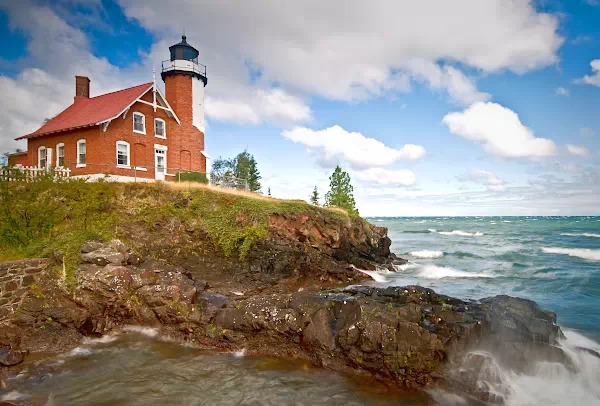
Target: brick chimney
82	86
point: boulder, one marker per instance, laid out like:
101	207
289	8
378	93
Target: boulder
9	357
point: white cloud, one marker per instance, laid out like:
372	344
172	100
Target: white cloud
562	91
356	149
594	78
273	105
580	150
352	49
485	178
500	131
387	177
586	132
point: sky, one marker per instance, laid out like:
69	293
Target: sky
435	107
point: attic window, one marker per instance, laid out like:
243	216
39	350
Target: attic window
139	123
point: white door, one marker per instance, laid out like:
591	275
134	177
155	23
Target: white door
160	163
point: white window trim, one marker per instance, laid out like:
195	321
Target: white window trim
80	165
141	168
128	166
40	149
58	146
137	113
158	146
164	137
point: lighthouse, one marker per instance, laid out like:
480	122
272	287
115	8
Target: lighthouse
185	80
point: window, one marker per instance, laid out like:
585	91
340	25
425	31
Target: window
160	129
122	154
42	161
81	153
139	123
60	155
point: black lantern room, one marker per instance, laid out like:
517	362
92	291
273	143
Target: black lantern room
182	54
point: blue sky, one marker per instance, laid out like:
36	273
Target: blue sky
470	107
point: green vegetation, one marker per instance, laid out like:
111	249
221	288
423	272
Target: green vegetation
243	166
314	197
45	217
341	192
188	176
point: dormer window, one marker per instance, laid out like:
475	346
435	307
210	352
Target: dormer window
139	123
160	129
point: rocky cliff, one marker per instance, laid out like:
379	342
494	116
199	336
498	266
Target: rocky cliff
407	336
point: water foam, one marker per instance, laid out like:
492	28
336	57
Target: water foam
582	235
427	254
101	340
147	331
439	272
461	233
377	276
585	253
80	352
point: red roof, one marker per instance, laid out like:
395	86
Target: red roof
91	111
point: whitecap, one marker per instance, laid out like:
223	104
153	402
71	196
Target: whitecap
461	233
432	230
582	235
585	253
507	221
404	267
427	254
439	272
147	331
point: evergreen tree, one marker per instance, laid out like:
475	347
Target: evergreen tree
341	192
314	197
253	175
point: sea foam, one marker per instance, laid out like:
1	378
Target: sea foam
585	253
439	272
427	254
377	276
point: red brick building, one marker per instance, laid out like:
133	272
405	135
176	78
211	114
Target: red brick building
135	132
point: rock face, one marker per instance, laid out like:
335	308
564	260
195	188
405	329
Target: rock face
299	249
407	336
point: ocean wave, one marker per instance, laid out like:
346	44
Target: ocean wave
417	231
463	254
377	276
405	267
427	254
582	235
461	233
439	272
585	253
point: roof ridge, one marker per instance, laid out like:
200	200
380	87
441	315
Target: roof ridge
121	90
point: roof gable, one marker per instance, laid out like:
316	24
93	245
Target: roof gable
91	111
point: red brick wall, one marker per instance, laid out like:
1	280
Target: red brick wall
178	91
101	146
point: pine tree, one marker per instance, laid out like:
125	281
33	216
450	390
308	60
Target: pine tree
314	197
253	175
341	192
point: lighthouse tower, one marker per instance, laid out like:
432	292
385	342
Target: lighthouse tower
185	80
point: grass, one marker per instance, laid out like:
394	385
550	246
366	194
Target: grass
40	218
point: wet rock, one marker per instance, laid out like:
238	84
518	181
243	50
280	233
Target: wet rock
9	357
519	320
